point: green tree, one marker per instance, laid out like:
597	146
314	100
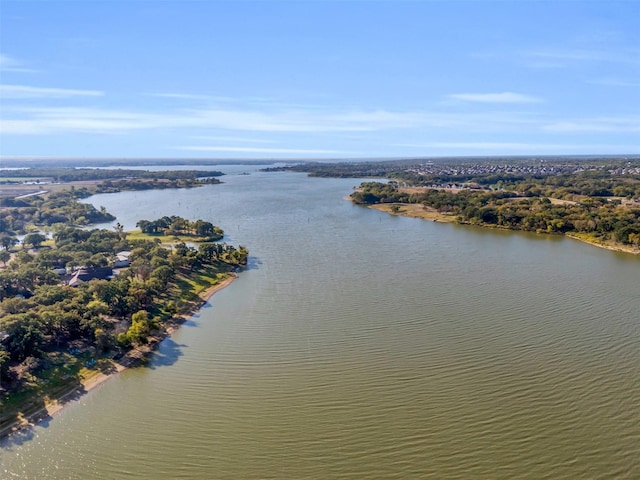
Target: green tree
103	340
5	256
140	328
34	239
5	358
8	241
25	339
164	274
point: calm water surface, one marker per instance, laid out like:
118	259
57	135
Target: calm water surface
361	345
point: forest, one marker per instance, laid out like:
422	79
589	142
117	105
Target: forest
596	218
70	174
174	225
53	329
20	215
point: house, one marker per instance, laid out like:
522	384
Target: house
86	274
122	259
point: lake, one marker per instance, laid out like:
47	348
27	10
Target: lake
361	345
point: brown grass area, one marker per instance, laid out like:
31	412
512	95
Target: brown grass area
606	244
411	190
414	210
558	201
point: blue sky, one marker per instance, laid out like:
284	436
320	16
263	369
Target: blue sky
314	79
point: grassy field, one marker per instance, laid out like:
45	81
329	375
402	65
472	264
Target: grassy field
414	210
167	239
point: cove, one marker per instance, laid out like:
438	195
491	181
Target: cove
362	345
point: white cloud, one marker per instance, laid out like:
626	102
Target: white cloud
504	97
24	91
567	57
243	130
615	82
563	57
471	145
191	96
523	148
297	151
601	124
51	119
310	121
231	139
9	64
64	120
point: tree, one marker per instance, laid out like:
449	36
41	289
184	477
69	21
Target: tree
103	340
208	250
15	305
144	226
97	307
120	231
25	339
4	257
34	239
4	363
164	274
202	228
180	225
142	269
140	328
8	241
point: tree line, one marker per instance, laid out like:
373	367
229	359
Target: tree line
67	174
601	219
18	216
175	225
43	319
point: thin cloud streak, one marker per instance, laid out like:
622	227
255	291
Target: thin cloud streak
630	56
25	91
231	139
524	147
600	124
9	64
504	97
191	96
565	58
32	120
63	120
613	82
298	151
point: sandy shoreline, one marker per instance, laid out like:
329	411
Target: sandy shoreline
131	359
417	211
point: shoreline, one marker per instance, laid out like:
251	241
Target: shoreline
132	358
413	211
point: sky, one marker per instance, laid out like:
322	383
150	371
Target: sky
318	79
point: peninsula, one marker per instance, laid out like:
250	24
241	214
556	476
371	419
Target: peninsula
77	305
592	199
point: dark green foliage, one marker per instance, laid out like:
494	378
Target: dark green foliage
34	239
40	316
5	359
175	225
506	209
58	207
25	338
85	174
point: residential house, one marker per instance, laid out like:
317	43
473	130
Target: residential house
86	274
